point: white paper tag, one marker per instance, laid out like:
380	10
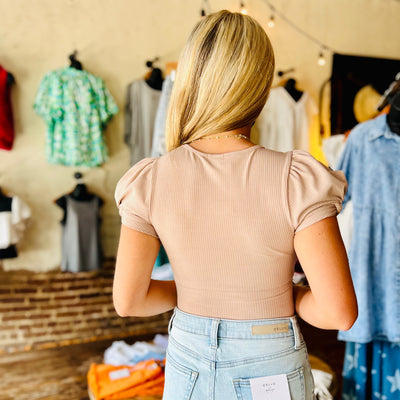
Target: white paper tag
274	387
119	374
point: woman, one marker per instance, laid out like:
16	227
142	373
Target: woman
232	217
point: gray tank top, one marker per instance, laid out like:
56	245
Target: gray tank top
81	249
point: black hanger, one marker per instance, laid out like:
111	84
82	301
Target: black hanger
5	202
10	79
393	118
290	86
155	80
80	191
74	63
389	93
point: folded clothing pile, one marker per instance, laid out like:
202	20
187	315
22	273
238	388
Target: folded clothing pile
109	382
121	353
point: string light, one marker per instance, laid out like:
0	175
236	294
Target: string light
205	6
321	59
271	22
243	9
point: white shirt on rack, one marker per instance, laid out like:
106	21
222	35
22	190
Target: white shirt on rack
13	222
284	124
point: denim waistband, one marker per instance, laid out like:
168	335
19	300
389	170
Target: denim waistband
237	329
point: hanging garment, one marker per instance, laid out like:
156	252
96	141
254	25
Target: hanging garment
370	163
81	249
333	148
76	107
283	124
6	115
371	371
14	217
141	107
159	147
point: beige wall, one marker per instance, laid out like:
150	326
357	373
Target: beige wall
114	38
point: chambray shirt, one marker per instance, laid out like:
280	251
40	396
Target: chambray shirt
371	163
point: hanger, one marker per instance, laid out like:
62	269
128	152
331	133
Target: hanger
393	118
393	88
80	191
290	87
290	84
5	201
155	80
10	79
74	63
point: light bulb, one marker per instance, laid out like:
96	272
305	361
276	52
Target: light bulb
271	22
243	9
321	59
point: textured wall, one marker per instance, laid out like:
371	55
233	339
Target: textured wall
114	38
41	310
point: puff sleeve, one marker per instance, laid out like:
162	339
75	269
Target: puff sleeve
315	192
133	196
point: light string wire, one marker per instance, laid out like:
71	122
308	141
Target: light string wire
323	47
275	11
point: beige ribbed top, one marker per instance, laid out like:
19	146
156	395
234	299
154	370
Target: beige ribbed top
227	222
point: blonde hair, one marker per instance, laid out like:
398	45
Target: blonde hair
223	78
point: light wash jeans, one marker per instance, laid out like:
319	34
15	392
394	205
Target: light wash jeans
214	359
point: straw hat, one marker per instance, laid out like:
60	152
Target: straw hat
365	103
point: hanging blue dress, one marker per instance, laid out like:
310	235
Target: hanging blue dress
371	371
370	161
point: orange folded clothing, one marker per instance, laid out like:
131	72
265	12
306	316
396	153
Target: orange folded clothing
109	382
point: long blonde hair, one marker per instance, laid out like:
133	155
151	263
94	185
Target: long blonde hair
223	78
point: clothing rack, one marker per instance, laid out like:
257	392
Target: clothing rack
287	71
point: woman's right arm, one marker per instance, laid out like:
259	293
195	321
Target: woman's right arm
330	301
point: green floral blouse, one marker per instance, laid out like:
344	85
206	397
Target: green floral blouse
76	107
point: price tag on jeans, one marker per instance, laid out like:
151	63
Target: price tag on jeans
274	387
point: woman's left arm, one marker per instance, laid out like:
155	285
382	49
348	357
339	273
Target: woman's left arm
135	294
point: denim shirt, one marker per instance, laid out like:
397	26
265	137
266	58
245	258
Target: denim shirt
371	164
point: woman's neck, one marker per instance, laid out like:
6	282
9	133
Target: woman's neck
225	142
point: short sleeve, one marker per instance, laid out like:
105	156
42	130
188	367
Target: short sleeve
132	195
43	101
315	192
107	105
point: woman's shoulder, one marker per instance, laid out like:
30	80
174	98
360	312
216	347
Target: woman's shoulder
143	166
314	190
303	166
139	176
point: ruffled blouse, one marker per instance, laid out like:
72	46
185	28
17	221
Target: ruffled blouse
227	222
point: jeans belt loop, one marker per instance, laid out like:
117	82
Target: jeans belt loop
214	333
298	338
170	321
